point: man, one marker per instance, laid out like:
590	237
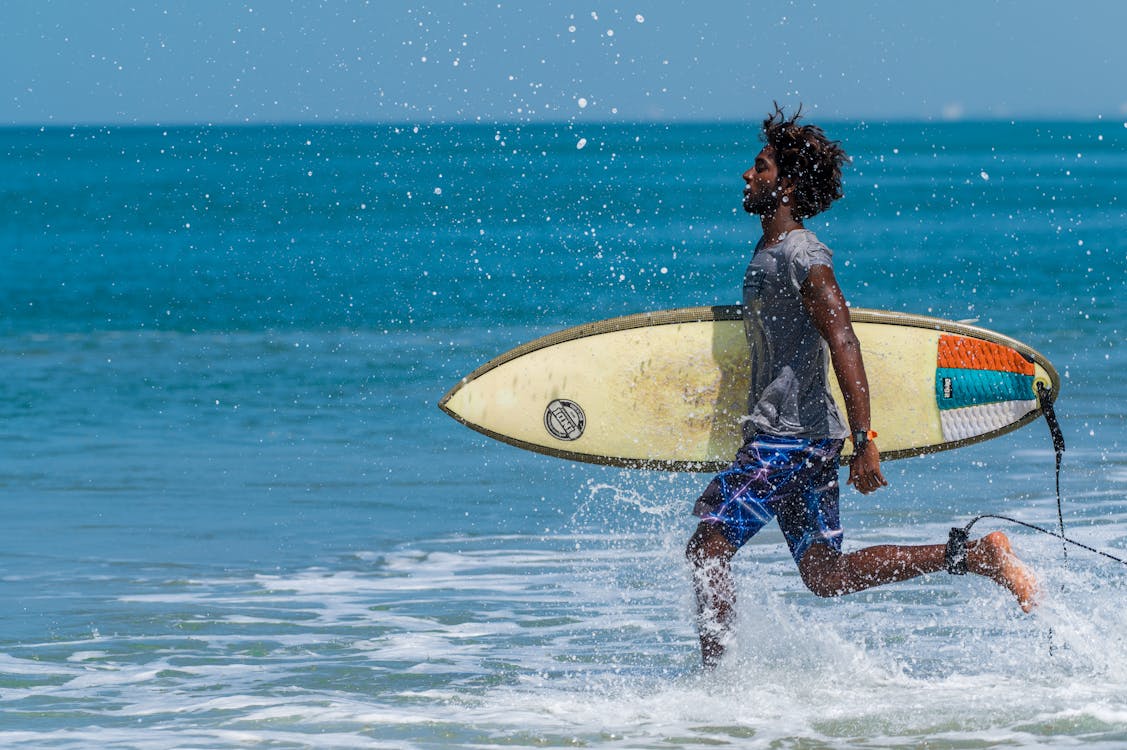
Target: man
795	316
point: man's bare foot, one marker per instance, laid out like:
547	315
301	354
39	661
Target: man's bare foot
993	557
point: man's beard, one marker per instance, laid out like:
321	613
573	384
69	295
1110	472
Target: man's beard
759	205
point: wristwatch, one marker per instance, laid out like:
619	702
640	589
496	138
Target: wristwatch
860	439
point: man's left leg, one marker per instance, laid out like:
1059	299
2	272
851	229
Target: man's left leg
829	572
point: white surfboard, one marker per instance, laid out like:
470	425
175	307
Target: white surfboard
667	390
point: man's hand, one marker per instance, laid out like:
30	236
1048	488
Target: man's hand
864	469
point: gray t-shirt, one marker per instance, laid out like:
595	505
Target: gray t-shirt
789	395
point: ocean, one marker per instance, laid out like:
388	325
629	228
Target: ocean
235	517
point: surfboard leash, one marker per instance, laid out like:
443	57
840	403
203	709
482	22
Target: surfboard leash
957	540
956	543
1050	413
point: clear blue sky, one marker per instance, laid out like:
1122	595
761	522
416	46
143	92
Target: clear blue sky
205	61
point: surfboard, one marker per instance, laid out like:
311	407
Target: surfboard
667	390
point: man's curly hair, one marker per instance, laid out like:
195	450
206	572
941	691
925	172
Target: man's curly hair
806	157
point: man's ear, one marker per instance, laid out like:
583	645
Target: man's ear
787	187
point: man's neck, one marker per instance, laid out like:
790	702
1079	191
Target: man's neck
777	225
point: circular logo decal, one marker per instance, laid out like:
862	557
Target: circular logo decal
564	419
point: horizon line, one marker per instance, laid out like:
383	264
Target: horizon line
722	121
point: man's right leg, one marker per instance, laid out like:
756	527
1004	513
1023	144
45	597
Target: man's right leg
710	555
733	508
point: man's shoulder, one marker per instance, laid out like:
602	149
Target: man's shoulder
804	238
804	246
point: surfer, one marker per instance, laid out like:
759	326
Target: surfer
795	317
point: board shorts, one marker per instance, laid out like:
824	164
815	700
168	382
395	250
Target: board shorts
792	479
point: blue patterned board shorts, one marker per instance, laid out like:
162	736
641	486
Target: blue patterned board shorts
792	479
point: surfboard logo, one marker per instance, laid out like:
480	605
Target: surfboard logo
564	419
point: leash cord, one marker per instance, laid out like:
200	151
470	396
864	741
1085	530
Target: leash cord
1065	539
1046	398
958	536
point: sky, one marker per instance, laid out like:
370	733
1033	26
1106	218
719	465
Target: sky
68	62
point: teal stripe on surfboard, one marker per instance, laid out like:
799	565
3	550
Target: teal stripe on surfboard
956	388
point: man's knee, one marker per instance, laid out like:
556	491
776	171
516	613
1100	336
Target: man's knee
821	587
819	570
707	544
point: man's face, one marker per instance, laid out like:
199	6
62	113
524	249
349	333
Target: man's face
762	190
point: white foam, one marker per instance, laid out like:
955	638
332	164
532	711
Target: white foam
587	638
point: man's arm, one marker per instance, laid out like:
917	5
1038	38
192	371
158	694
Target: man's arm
826	305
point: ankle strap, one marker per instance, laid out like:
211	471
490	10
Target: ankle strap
956	553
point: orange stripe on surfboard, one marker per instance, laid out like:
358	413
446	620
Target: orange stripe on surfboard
974	354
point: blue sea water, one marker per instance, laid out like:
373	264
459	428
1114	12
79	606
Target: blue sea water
234	516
